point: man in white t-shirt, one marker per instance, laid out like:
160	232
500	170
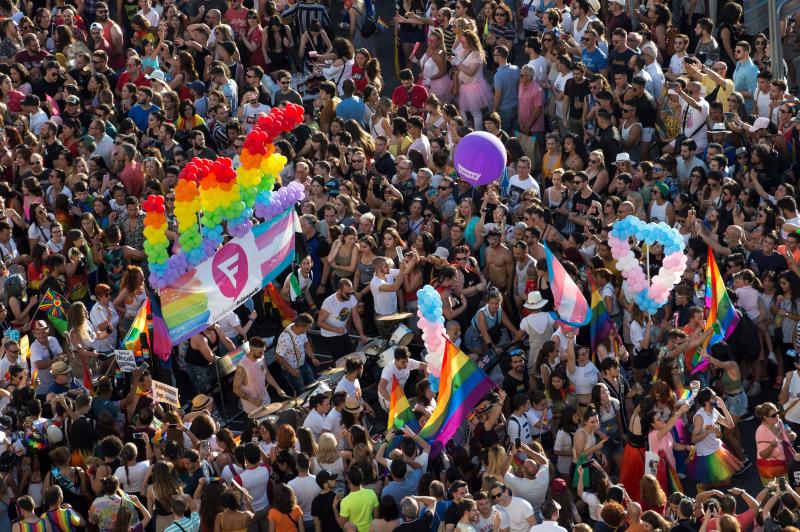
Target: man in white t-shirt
676	67
305	489
350	384
518	426
384	286
401	369
516	513
315	420
11	356
521	182
698	108
333	421
564	69
334	314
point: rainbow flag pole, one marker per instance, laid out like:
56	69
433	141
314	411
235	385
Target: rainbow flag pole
722	317
461	387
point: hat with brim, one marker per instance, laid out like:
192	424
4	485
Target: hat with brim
594	5
39	325
535	301
622	158
353	405
441	252
200	402
59	367
718	127
156	74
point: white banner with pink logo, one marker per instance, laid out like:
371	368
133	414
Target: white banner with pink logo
223	282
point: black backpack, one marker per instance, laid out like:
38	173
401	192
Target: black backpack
744	341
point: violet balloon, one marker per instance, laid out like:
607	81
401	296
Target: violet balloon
480	158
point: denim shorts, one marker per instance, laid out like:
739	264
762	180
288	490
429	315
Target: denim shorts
737	403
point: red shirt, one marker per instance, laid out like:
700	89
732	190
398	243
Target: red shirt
140	81
416	98
237	18
132	176
359	78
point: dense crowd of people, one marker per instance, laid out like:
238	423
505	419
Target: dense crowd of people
605	109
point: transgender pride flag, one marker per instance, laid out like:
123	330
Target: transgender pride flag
571	307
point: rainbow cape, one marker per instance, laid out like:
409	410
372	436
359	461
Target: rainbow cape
601	324
54	305
722	317
462	385
133	340
273	297
571	307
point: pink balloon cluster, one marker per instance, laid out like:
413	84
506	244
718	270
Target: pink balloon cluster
649	296
431	323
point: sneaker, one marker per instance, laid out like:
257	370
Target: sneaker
772	359
754	390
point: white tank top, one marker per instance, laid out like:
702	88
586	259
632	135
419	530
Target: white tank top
658	213
762	104
710	444
429	68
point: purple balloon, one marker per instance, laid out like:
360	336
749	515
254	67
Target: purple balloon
480	158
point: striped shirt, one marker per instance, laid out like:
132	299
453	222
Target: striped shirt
305	13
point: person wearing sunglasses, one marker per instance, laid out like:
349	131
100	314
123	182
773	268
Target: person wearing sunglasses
773	440
519	511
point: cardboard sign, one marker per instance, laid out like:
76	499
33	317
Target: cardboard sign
126	360
164	393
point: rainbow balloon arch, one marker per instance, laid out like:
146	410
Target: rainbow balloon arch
202	278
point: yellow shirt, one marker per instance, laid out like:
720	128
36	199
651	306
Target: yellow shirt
724	91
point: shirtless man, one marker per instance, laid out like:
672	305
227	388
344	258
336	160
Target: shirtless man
535	247
523	262
499	263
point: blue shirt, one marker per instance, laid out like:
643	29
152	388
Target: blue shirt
745	79
352	107
404	488
139	115
506	80
595	61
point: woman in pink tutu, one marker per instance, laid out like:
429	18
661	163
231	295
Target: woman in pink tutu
474	93
434	67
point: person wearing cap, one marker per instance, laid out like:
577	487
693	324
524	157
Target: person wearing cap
322	512
549	511
64	382
30	107
45	352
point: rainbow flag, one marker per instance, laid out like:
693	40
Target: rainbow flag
55	305
462	385
601	325
161	342
133	340
273	297
87	378
722	317
400	413
571	307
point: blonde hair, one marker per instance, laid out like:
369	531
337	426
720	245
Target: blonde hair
496	460
326	449
599	154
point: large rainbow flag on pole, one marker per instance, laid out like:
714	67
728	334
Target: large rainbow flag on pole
570	305
722	317
601	325
461	387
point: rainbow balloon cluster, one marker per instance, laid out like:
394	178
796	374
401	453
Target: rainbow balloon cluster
431	323
156	243
653	295
212	199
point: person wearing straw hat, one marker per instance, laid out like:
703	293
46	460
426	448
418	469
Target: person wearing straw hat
538	325
45	352
63	381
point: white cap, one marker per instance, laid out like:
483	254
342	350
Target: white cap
156	74
760	123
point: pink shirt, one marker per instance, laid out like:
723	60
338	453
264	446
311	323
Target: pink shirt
764	436
748	300
530	97
662	444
